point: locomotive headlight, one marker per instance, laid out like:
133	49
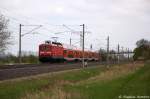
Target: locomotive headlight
41	53
48	52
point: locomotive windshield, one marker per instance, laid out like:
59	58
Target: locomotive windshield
45	48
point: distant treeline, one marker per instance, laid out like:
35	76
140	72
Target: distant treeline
27	57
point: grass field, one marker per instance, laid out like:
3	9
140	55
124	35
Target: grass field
128	80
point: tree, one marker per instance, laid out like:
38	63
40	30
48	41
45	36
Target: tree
143	50
142	42
5	35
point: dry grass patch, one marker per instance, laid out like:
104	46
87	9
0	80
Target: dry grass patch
51	92
55	93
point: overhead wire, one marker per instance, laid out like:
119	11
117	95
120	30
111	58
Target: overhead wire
47	24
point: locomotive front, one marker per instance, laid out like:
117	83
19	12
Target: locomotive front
50	52
45	53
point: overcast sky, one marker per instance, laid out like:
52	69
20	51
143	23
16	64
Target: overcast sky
125	21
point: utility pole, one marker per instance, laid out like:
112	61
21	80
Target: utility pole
122	53
20	60
70	41
83	45
108	50
91	47
118	53
21	35
128	54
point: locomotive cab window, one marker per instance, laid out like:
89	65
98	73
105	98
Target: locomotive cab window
45	48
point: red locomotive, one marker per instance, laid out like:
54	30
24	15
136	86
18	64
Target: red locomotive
54	51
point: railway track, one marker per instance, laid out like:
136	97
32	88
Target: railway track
16	71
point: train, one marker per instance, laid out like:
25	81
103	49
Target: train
55	52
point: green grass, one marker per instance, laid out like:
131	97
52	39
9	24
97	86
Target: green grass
137	84
77	84
14	90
